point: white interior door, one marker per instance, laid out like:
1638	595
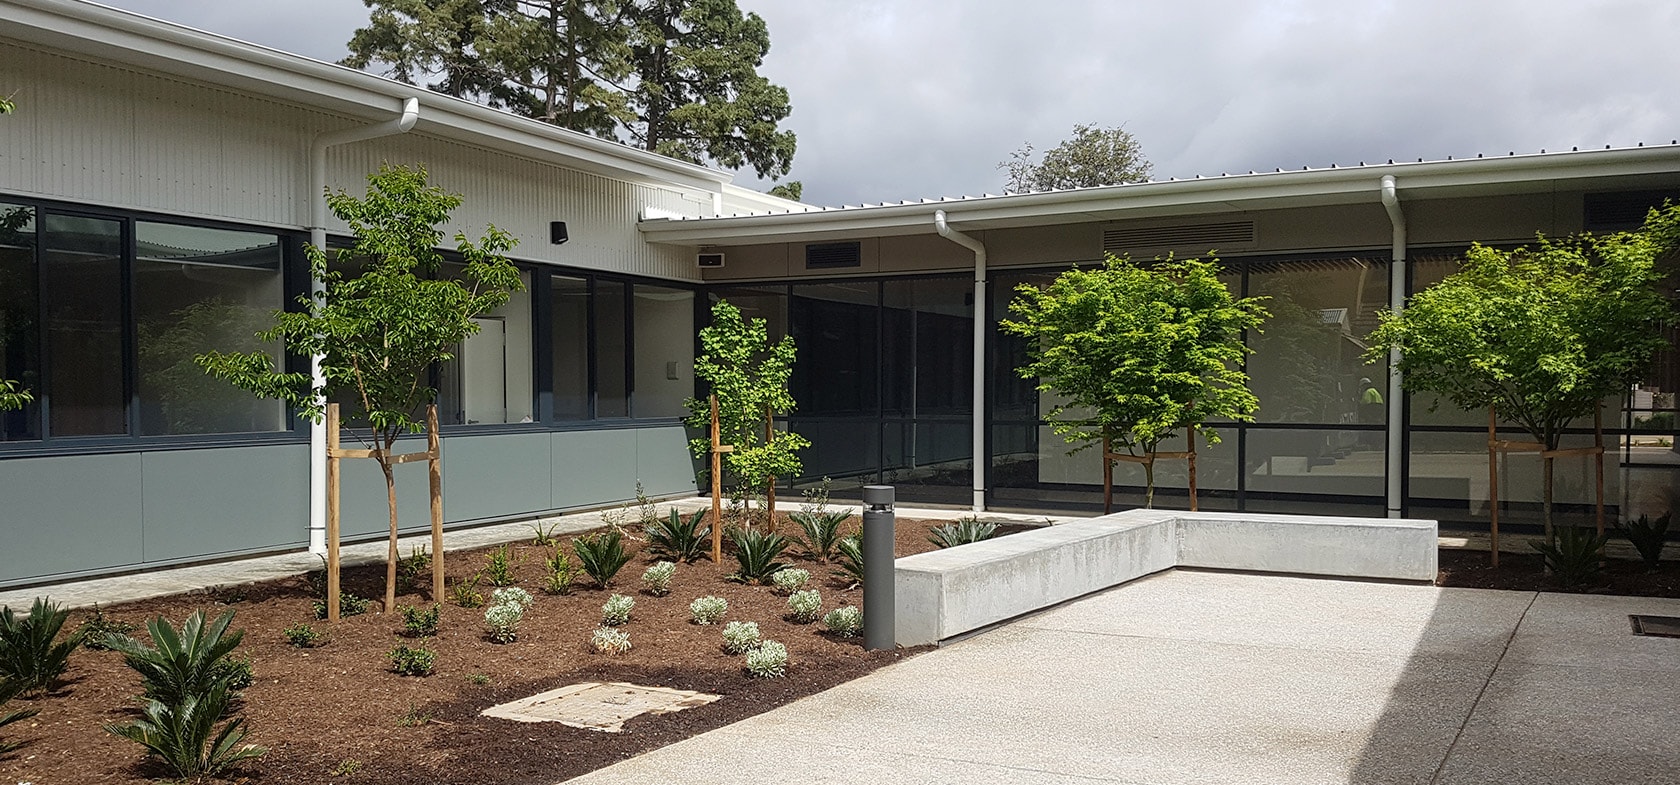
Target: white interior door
484	373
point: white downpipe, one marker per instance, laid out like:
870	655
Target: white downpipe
1396	304
318	238
980	458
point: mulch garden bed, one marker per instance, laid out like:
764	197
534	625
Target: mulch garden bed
338	714
1471	569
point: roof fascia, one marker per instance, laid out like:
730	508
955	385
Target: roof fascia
1510	174
106	34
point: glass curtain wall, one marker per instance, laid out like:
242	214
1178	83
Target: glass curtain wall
617	349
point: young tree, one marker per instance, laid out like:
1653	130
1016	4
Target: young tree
1541	334
1093	156
381	328
1137	353
749	376
677	77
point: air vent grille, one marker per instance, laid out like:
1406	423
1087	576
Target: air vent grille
828	256
1200	237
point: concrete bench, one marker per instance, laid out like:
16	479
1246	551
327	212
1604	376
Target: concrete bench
945	593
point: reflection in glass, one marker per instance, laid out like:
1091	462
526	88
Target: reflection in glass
82	272
1306	366
836	322
1314	461
20	336
769	303
570	345
199	290
491	378
612	388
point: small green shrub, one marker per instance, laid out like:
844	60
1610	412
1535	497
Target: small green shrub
602	555
657	578
788	581
543	537
608	640
755	554
1648	536
678	538
739	637
851	559
479	679
347	767
805	606
303	636
561	572
498	567
348	605
414	717
421	622
184	736
768	661
962	532
465	592
616	611
1573	554
95	628
512	595
821	531
418	661
32	653
411	569
237	673
708	610
185	664
846	621
8	691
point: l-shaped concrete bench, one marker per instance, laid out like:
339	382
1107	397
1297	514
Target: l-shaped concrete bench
945	593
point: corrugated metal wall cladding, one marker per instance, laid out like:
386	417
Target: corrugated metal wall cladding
113	136
521	197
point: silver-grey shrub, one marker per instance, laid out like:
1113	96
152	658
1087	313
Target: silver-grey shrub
845	620
768	661
708	610
657	578
790	579
740	637
607	640
616	611
805	606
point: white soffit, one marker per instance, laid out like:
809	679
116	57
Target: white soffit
104	34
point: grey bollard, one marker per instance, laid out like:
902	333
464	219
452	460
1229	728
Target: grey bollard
878	556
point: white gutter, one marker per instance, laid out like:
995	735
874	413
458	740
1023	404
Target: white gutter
1396	304
981	460
318	238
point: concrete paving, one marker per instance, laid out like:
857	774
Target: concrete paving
1196	677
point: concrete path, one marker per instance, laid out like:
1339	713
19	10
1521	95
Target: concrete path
1195	677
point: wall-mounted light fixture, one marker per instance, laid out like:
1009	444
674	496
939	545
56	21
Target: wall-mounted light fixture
557	232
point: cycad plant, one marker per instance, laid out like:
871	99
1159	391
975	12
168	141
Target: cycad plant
822	531
32	653
1573	553
962	532
679	538
601	555
756	553
1647	536
9	690
188	664
851	558
184	736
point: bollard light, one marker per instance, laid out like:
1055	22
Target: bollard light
878	556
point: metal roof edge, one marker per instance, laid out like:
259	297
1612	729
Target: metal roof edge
113	35
1358	181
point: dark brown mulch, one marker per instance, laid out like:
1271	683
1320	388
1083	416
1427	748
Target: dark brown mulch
1526	572
337	713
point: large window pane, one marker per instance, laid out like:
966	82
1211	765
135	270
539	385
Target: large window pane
82	271
769	303
491	379
928	347
612	388
20	334
1350	463
570	338
1306	366
199	290
664	354
837	334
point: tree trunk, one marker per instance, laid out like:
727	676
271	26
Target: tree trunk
1550	441
391	554
1149	485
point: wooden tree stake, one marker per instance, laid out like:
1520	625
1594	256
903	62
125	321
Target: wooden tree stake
434	466
718	449
1598	442
1496	446
332	513
1108	476
1190	434
1493	483
770	482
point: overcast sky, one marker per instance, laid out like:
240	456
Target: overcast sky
901	99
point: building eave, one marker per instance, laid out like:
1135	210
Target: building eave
1512	174
120	37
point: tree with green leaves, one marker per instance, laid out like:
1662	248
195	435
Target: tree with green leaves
1137	353
792	189
1542	334
380	327
677	77
1093	156
749	375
